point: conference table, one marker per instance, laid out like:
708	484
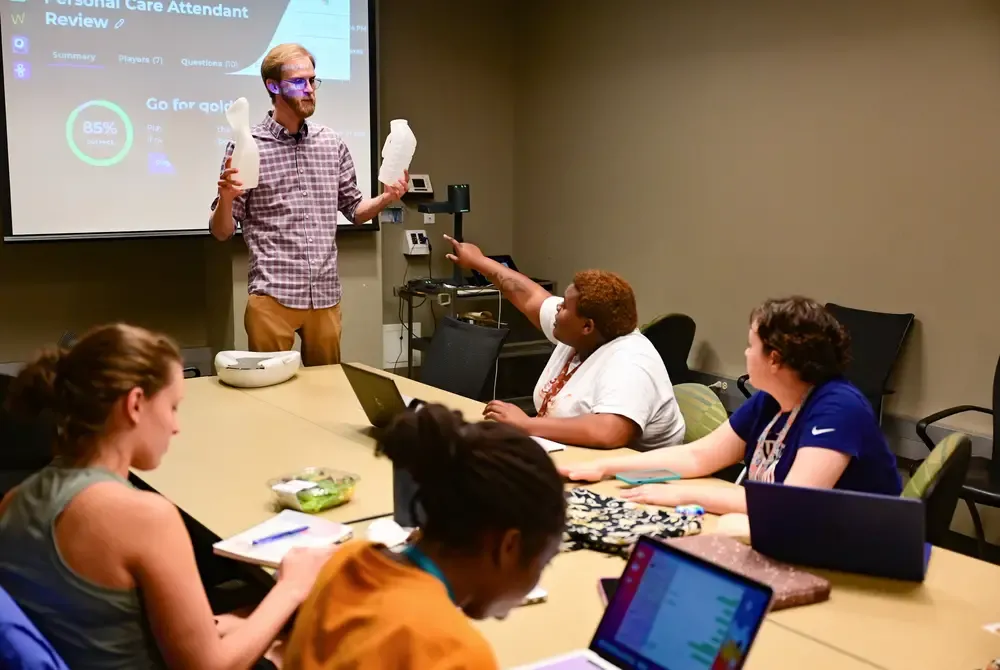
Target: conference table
233	441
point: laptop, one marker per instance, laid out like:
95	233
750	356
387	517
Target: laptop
673	611
378	395
380	398
876	535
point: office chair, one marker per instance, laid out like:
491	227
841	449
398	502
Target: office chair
981	485
462	357
876	341
938	482
673	336
21	645
703	412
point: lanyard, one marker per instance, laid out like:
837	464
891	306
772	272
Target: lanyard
423	561
557	383
779	441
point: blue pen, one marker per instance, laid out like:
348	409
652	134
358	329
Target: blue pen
278	536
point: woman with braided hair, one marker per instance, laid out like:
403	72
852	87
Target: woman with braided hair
493	513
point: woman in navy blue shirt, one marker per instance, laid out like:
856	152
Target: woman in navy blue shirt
806	425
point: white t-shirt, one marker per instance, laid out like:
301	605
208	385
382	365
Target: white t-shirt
626	377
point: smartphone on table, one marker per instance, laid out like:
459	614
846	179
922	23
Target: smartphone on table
607	587
640	477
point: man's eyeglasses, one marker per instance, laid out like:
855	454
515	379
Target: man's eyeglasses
301	84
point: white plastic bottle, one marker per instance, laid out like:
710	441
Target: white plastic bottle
397	152
246	154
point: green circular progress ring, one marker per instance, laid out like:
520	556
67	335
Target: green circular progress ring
90	160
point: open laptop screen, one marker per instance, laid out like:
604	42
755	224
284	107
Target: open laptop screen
678	612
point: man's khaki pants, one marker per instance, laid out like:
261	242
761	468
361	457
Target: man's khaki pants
271	327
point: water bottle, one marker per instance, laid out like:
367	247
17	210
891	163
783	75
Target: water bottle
246	154
397	152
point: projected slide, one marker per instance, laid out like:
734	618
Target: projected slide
115	109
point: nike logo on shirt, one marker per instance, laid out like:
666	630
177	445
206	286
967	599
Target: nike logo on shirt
822	431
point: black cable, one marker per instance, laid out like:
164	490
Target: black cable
430	275
404	330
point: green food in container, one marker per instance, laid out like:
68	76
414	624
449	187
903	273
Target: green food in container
314	490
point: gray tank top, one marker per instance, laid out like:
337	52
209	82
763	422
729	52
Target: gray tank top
91	626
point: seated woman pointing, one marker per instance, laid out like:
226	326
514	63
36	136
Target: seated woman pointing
106	572
605	385
806	426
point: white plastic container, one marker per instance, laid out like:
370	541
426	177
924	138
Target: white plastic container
397	152
246	154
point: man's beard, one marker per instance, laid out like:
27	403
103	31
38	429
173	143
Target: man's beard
303	107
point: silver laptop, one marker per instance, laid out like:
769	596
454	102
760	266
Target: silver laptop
673	611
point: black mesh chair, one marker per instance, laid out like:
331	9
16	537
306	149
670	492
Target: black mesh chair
876	340
462	357
982	480
673	336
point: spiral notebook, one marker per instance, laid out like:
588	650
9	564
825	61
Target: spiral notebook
318	533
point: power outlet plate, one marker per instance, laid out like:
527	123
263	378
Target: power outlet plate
428	219
415	243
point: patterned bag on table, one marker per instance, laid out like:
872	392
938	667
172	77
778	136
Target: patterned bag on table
613	526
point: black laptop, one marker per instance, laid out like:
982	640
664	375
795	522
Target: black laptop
380	398
877	535
378	394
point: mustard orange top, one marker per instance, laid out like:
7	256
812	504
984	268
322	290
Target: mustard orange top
370	611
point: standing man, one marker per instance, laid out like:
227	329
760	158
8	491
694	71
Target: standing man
289	220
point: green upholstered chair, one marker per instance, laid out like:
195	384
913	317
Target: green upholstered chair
938	482
672	335
702	410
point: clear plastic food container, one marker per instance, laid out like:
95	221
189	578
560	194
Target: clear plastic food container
313	490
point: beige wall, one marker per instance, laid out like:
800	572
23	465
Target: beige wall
447	67
848	153
720	152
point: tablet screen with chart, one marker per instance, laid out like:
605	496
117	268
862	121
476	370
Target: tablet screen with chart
119	105
675	612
